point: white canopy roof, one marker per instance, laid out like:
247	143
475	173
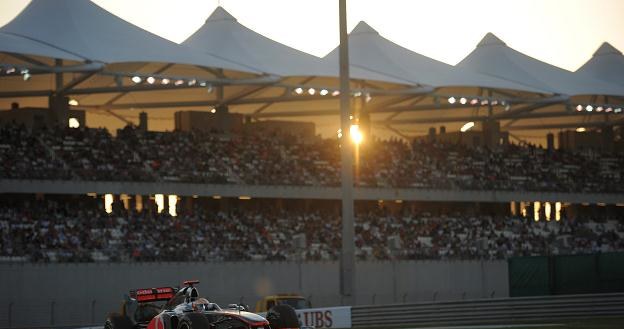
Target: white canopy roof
370	51
224	37
85	30
607	64
19	45
493	57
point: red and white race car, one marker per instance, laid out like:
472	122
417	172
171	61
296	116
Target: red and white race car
185	309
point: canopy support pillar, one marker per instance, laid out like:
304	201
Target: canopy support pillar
347	255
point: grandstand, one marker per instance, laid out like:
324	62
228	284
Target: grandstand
499	177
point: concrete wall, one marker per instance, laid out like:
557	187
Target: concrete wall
73	294
295	192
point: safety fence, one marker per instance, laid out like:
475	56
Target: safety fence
490	311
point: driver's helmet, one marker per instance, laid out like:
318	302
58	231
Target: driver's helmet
202	304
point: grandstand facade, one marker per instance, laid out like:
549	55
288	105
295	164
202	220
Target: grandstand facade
233	165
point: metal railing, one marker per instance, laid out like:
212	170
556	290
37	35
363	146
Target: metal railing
490	311
482	311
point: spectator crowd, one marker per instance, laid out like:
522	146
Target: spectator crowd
279	159
55	231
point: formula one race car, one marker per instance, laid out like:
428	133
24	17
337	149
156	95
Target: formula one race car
184	309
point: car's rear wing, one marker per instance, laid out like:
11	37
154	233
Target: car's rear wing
152	294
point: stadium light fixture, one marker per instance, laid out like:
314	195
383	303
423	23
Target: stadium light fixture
108	203
467	126
136	79
589	108
311	91
209	89
160	202
178	82
463	101
213	110
165	81
599	109
73	102
203	84
298	90
484	102
192	82
356	134
617	110
339	133
579	108
357	94
336	93
10	70
150	80
25	74
536	210
324	92
474	101
547	211
581	130
173	201
451	100
73	123
609	109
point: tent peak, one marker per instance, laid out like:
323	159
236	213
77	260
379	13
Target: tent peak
220	14
607	49
490	40
363	28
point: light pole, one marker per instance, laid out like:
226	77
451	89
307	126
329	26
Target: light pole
347	255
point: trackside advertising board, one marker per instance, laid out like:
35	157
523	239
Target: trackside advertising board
324	317
328	317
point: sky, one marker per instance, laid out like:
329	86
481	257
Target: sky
564	33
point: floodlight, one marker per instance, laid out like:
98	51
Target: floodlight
463	100
311	91
136	79
298	90
589	108
451	100
165	81
324	92
73	102
581	130
151	80
467	126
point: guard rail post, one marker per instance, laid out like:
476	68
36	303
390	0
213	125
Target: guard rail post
52	313
93	311
10	314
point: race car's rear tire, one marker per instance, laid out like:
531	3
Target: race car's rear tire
194	321
118	321
282	316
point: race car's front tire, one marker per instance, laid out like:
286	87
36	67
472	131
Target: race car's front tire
194	321
282	316
118	321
